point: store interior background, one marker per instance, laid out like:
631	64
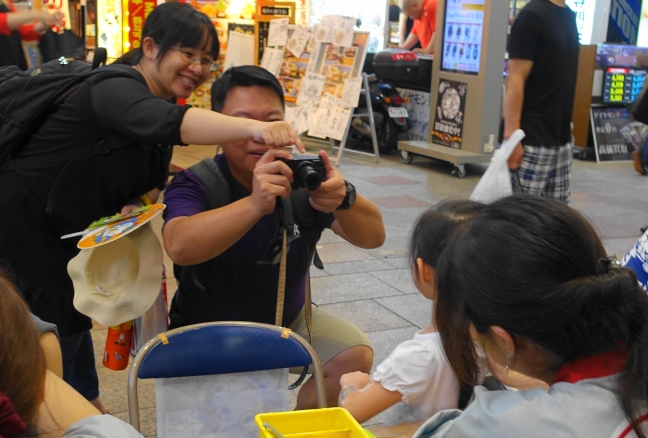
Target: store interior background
117	25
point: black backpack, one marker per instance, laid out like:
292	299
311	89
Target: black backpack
28	97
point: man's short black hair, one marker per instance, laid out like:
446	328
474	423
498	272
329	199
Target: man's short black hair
244	76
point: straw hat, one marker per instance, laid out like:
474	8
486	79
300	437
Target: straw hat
119	281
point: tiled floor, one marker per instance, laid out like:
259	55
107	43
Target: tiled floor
373	288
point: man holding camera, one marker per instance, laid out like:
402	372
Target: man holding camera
226	257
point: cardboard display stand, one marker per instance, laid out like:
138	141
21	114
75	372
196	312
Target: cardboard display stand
609	126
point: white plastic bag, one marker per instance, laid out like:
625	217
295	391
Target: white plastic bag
154	321
218	406
496	181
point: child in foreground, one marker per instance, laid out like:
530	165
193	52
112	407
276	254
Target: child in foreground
415	381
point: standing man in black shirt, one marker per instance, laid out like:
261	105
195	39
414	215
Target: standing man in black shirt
543	63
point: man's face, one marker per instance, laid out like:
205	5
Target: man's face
414	11
258	103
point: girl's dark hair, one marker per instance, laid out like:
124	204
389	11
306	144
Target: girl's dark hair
179	23
433	230
243	76
536	267
435	226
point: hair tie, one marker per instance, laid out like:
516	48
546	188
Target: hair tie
10	422
603	265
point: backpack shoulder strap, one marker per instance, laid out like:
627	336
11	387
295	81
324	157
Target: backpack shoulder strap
100	57
216	186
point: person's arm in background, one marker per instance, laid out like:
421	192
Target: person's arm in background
427	49
24	23
205	127
361	225
127	106
410	41
402	28
518	72
523	42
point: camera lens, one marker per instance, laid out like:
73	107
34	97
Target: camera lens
309	177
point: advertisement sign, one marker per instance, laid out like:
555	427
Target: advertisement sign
419	114
592	18
138	10
622	84
608	125
624	21
462	38
109	27
449	113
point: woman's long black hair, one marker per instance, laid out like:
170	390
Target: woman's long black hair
537	268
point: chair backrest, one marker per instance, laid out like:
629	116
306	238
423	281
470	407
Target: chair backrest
220	348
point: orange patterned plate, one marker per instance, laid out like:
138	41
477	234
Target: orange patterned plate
115	230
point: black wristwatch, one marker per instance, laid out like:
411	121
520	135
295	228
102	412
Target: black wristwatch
350	197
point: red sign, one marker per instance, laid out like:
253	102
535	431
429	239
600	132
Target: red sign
138	10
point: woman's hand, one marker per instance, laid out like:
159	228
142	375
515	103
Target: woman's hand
276	134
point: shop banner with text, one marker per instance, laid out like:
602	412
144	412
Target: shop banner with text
138	10
449	113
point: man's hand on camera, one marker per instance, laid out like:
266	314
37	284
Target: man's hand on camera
270	179
331	193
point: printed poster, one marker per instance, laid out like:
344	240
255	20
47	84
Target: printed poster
449	113
338	66
419	114
294	68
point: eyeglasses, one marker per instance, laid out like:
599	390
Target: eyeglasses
189	58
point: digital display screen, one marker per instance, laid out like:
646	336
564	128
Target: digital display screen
462	36
623	84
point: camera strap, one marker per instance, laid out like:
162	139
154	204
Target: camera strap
281	287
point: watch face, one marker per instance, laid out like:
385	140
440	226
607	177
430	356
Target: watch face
450	103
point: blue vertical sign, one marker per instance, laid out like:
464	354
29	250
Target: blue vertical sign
624	21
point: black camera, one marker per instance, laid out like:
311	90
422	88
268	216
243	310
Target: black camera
308	171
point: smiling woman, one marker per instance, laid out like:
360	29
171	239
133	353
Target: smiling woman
109	142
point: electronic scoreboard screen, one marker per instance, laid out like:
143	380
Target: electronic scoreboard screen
623	84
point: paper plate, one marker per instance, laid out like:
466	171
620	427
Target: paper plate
115	230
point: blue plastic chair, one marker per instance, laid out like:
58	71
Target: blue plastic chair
221	348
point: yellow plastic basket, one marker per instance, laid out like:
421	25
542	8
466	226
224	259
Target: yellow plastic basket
316	423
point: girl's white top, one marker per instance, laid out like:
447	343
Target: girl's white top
420	372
